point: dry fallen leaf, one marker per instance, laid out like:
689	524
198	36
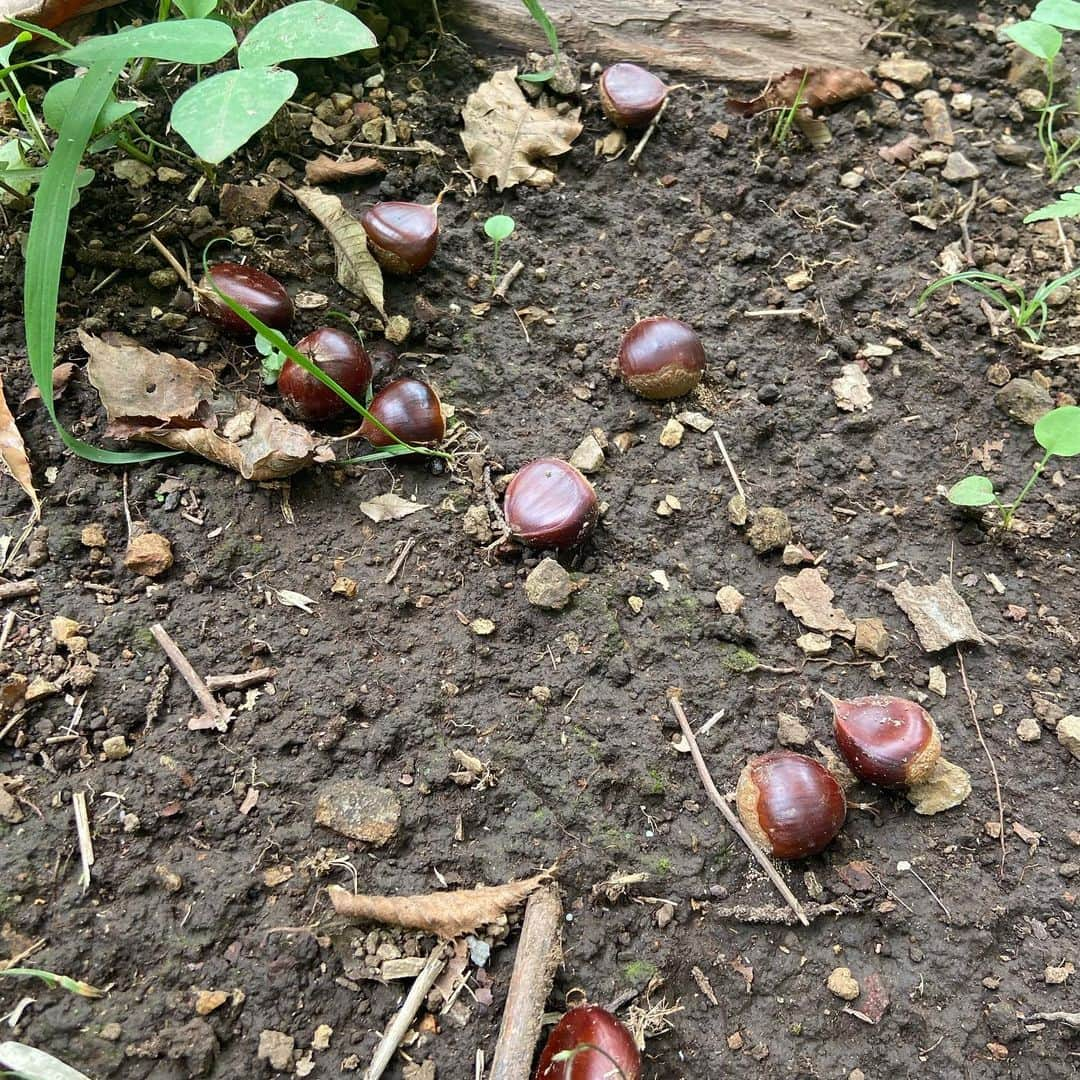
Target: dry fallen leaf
357	269
939	614
823	87
809	599
447	914
936	121
13	453
61	376
852	389
288	598
390	507
164	399
505	135
328	170
902	152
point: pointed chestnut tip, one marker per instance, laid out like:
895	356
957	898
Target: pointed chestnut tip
402	236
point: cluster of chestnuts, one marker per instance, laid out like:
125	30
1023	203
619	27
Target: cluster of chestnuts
589	1043
794	807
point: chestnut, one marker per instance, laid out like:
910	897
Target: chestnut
338	354
588	1043
630	96
886	740
402	235
264	296
410	409
549	504
661	358
790	804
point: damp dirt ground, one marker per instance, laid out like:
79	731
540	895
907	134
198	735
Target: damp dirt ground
210	871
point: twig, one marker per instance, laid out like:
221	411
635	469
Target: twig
1066	258
507	280
171	259
82	831
395	1032
769	313
989	758
13	590
241	680
729	814
903	865
775	913
216	715
9	623
18	958
399	562
127	510
539	954
727	462
643	141
963	222
430	148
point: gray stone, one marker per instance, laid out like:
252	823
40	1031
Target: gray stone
276	1048
1028	730
914	73
134	172
1024	401
589	455
359	810
1013	153
1068	733
769	529
790	731
957	167
729	600
549	586
871	637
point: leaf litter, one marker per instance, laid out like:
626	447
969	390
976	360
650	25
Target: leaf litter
823	87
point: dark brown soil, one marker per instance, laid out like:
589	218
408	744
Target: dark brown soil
385	686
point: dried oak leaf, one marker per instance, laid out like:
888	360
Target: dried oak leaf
13	453
328	170
447	914
357	269
505	135
809	599
390	507
164	399
823	87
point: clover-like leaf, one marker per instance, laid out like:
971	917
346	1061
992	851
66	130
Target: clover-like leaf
972	491
1059	431
308	30
1039	38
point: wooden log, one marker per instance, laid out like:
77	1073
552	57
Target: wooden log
730	40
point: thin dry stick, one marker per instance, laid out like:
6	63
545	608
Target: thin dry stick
14	590
643	142
508	279
191	676
171	259
241	680
539	954
391	1040
399	562
729	814
82	831
9	623
989	758
730	467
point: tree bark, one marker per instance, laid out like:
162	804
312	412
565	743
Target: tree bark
730	40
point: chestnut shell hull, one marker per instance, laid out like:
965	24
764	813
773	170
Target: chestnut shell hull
661	358
402	236
888	741
338	354
629	95
589	1025
549	504
264	296
410	409
791	805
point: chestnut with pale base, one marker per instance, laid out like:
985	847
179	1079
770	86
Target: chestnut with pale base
888	741
661	358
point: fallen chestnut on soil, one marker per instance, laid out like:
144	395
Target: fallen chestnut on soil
410	409
661	358
402	235
549	504
342	357
790	804
886	740
264	296
630	96
588	1043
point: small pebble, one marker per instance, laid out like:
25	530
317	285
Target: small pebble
1028	730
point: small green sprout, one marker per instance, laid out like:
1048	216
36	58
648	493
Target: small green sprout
498	227
1058	433
782	128
543	20
57	982
1029	315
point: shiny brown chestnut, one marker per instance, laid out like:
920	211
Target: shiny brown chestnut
886	740
790	804
549	504
338	354
264	296
661	358
410	409
402	235
590	1044
630	96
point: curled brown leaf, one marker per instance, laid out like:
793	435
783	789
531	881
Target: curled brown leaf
823	87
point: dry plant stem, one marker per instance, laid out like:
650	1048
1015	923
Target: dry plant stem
730	467
989	758
191	676
170	258
240	681
399	1026
963	222
399	562
769	313
508	279
82	831
731	818
14	590
539	954
5	633
774	913
644	140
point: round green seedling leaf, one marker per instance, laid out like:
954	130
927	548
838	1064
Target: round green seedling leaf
62	95
307	30
196	9
1063	13
218	115
1059	431
972	491
499	227
1039	38
183	41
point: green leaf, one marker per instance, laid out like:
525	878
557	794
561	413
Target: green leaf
60	97
499	226
187	41
307	30
1039	38
1067	206
541	18
196	9
1063	13
33	1064
45	252
218	115
972	491
11	46
1059	431
14	170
